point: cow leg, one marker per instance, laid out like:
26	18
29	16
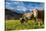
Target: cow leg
22	20
35	19
43	20
26	20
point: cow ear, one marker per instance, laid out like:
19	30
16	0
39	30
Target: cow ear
36	9
32	11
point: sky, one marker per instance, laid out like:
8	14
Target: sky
22	6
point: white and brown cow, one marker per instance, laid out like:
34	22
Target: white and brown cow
38	14
26	17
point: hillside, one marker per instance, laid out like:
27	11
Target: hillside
9	14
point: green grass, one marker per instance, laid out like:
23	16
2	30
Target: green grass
16	25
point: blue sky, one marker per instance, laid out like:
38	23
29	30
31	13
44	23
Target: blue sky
23	6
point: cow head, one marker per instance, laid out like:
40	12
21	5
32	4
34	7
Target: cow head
35	12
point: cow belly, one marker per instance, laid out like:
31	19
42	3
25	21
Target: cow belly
28	16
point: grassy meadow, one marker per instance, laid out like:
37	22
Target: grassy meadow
16	25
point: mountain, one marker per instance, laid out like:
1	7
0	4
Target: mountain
10	14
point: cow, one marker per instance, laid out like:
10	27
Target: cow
26	17
38	15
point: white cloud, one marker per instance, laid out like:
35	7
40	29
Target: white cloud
8	7
21	8
7	3
14	0
40	8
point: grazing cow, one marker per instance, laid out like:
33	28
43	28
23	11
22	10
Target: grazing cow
38	14
26	17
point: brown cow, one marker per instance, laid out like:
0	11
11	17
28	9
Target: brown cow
38	14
